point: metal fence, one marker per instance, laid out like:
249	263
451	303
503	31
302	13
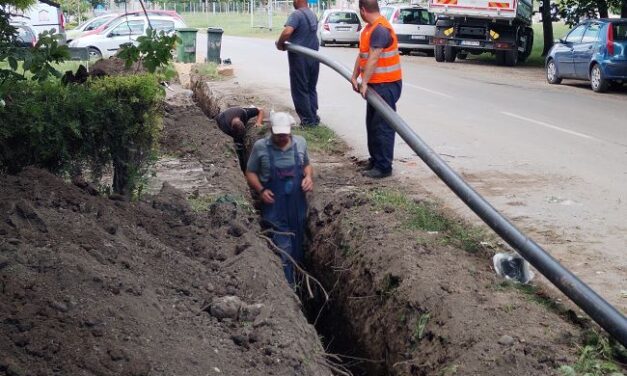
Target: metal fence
282	7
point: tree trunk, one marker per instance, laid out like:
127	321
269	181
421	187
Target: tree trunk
547	26
602	6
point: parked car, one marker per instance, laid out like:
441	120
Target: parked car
414	27
339	26
41	16
124	30
25	35
89	25
595	50
136	13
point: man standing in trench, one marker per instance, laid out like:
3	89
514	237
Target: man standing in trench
279	170
300	28
233	120
379	65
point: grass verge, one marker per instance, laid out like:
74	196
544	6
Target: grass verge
61	67
424	216
207	70
236	24
596	357
321	139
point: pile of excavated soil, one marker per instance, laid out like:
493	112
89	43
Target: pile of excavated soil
115	66
413	305
95	286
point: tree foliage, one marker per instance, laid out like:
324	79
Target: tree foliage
154	50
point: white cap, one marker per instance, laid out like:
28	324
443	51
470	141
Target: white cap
282	122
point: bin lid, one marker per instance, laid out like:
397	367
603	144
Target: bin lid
215	30
187	29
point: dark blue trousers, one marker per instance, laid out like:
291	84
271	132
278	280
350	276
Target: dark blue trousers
303	80
380	134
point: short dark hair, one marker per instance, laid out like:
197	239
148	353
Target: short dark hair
369	5
238	126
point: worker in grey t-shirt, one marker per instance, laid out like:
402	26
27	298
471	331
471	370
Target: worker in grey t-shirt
301	28
279	170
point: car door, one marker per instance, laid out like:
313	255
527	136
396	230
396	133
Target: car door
564	52
125	32
584	50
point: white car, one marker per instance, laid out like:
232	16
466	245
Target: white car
339	26
42	16
414	27
88	25
125	30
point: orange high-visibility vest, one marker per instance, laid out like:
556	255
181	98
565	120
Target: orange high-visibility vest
388	67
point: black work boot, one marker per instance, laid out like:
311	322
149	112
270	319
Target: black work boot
375	173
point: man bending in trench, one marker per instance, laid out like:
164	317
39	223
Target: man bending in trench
233	120
279	170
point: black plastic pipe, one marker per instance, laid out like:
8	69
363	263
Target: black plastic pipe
603	313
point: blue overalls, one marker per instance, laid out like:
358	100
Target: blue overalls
303	80
288	212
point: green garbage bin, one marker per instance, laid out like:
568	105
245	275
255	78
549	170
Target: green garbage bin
186	50
214	43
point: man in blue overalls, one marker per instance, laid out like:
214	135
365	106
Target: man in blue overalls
279	170
301	28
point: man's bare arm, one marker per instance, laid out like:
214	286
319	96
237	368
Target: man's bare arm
285	35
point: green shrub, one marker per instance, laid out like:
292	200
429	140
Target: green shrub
114	120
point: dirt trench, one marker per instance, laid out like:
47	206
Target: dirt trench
406	301
178	283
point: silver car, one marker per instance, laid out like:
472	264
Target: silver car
339	26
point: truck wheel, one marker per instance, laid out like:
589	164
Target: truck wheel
449	54
522	57
439	54
511	58
500	57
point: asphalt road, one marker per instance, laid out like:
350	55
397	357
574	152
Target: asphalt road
552	158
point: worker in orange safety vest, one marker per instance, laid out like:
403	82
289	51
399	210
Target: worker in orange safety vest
379	65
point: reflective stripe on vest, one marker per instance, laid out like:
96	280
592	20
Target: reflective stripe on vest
388	68
382	54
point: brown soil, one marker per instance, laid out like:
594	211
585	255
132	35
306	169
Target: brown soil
95	286
115	66
402	301
385	278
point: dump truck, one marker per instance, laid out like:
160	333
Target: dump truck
500	27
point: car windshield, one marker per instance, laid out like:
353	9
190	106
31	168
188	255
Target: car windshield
620	31
24	35
162	25
95	23
343	17
387	12
135	27
411	16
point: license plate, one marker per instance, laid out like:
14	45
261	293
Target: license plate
470	43
419	37
342	28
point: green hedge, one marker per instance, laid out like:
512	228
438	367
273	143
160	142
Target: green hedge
109	121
